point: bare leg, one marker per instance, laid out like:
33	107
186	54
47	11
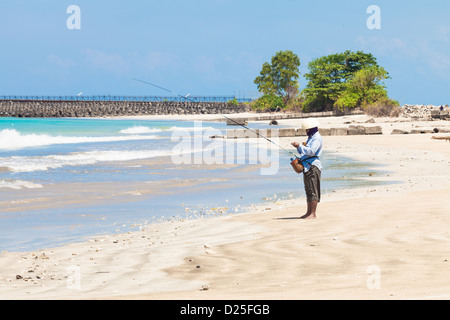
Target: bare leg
311	212
308	211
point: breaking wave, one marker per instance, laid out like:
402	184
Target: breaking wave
18	184
11	139
42	163
143	129
139	130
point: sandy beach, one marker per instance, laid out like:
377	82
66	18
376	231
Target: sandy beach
387	241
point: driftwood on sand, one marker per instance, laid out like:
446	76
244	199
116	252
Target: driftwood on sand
441	138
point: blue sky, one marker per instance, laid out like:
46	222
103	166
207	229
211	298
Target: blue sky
214	47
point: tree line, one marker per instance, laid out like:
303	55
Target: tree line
339	82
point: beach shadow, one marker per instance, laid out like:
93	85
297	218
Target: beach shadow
289	218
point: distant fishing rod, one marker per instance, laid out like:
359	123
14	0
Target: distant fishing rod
242	125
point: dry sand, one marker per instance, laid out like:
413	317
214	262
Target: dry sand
380	242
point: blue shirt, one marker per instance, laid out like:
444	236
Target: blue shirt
313	148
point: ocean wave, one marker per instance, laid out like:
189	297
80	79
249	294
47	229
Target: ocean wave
18	184
11	139
139	130
43	163
143	129
199	128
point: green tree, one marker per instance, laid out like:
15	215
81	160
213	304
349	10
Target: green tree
364	88
328	75
233	102
280	76
268	102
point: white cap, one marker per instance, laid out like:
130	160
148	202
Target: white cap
309	123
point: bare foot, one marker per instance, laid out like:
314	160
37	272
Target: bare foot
308	216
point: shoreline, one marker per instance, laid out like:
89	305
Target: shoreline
381	125
143	269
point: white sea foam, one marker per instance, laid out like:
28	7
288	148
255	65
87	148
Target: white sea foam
42	163
11	139
199	128
140	130
18	184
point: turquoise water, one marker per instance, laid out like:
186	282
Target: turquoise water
62	180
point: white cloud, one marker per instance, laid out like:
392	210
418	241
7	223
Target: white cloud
384	46
154	60
423	53
436	59
120	64
443	33
204	63
61	62
113	63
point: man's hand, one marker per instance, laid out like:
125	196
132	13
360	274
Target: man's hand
296	144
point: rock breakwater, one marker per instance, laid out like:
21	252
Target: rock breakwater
60	109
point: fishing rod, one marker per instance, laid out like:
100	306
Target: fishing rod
159	87
240	124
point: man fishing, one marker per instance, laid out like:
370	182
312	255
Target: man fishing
309	155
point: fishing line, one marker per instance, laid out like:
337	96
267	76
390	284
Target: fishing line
242	125
158	87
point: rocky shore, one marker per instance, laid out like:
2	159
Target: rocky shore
413	119
427	112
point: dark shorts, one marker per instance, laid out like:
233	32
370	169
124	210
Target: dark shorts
312	184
